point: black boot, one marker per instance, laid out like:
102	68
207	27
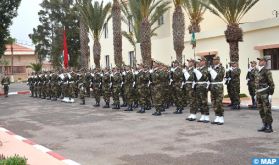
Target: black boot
136	105
157	113
124	105
268	128
97	104
116	106
82	102
129	108
176	111
142	110
54	99
107	105
263	128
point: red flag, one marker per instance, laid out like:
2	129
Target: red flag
66	55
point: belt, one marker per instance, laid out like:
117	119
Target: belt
201	82
189	82
261	90
215	83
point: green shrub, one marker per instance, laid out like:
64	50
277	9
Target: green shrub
13	160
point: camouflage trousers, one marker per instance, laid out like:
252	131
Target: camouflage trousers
178	99
97	93
54	90
202	99
122	93
115	94
128	92
264	107
82	93
143	94
252	89
157	96
191	95
234	90
106	93
31	87
217	95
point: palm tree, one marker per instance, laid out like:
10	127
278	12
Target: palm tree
11	41
144	14
178	29
195	11
95	17
36	67
117	35
84	39
231	12
133	20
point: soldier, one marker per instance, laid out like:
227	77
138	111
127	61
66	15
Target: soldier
234	85
116	87
190	88
97	86
30	83
264	91
143	80
251	77
157	78
82	89
202	79
128	88
6	82
54	85
88	79
106	82
178	83
36	84
217	90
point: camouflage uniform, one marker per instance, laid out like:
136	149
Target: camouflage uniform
88	79
54	83
251	77
122	93
6	82
128	89
116	89
97	87
157	77
30	81
191	94
143	80
235	87
82	90
265	89
106	88
217	91
177	77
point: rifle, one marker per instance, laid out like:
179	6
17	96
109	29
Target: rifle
248	63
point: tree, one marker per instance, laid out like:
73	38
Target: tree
36	67
231	12
55	16
11	42
95	17
8	10
195	11
84	39
178	29
117	35
143	14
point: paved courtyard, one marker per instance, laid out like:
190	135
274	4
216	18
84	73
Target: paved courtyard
96	136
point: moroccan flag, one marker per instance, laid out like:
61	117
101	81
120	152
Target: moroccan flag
66	54
193	40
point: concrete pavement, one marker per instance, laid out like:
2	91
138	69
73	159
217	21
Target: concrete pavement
96	136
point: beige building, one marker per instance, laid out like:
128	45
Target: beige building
260	27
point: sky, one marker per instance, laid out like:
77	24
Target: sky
26	20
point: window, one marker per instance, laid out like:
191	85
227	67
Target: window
16	69
161	20
107	61
106	30
130	26
131	58
273	54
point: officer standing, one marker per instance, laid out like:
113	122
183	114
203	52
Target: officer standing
264	91
251	77
234	85
6	82
217	90
178	82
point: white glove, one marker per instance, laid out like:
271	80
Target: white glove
124	73
250	69
136	72
270	98
100	84
110	85
134	83
193	84
102	74
151	71
170	81
208	83
255	97
149	82
122	84
210	69
182	84
172	69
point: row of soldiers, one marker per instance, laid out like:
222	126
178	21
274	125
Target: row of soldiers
144	87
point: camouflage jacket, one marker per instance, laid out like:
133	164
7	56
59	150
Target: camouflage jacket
5	81
264	80
251	76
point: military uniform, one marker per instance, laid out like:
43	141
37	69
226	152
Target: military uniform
128	89
106	82
217	91
251	77
30	81
6	82
143	80
116	89
234	85
97	87
264	91
202	79
178	83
